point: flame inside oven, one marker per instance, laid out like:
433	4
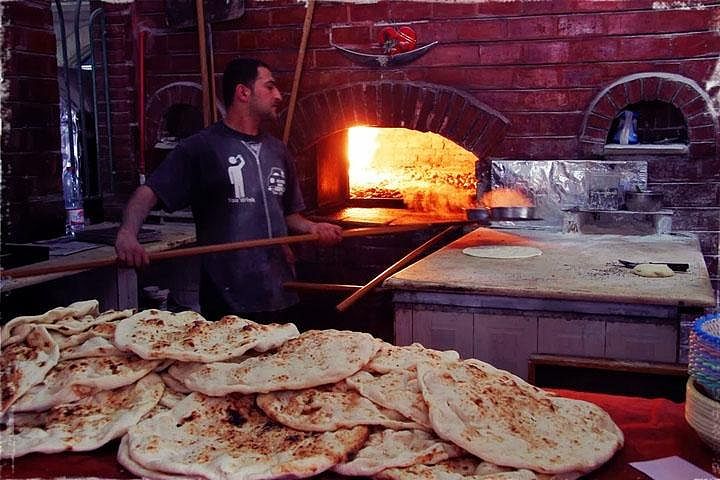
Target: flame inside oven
429	172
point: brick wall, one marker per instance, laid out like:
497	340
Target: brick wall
539	64
31	191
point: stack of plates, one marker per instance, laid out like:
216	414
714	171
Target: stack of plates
704	357
703	414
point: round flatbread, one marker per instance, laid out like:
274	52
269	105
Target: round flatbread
653	270
230	437
502	419
502	251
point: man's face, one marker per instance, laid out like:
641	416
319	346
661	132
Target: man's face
265	98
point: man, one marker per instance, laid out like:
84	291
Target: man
241	184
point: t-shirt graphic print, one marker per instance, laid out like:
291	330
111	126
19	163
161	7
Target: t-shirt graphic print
276	181
235	173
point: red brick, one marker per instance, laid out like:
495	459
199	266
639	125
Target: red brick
335	110
706	133
694	44
702	149
465	123
28	13
580	25
479	29
359	101
289	15
427	106
618	96
634	91
605	107
345	97
454	10
532	27
385	96
668	90
589	50
439	112
594	135
700	120
455	110
546	52
364	12
330	13
538	148
685	95
499	8
697	106
658	21
650	88
410	107
405	11
353	36
497	54
331	59
599	123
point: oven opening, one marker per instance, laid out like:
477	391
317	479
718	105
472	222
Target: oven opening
419	171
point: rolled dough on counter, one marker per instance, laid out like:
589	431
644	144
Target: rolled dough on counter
502	251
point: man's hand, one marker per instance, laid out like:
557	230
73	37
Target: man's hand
328	233
129	251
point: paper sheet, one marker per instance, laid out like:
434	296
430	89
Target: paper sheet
672	468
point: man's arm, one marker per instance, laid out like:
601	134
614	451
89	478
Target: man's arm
328	233
127	247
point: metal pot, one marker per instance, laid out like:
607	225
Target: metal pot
643	201
478	214
512	213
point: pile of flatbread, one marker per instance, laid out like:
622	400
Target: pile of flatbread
234	399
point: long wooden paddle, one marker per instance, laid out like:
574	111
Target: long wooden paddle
357	295
21	272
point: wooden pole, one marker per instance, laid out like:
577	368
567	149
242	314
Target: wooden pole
298	69
200	8
21	272
349	301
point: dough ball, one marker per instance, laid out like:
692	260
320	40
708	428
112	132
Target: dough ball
653	270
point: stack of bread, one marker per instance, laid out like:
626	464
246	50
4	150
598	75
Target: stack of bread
235	399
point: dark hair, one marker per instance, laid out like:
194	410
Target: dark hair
240	70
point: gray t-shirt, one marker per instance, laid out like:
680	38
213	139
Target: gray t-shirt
240	187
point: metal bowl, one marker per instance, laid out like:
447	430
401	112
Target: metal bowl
643	201
512	213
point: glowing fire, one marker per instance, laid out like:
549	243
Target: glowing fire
505	197
429	172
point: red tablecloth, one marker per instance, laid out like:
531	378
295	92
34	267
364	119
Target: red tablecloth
653	428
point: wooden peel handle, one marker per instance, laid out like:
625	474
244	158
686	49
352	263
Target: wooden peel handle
345	304
21	272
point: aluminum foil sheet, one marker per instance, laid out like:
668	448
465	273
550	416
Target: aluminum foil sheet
556	186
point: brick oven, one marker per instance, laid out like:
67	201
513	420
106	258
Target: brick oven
506	80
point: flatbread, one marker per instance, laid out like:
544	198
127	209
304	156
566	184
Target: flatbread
74	310
85	425
230	438
463	468
315	358
397	390
72	380
504	420
502	251
124	459
390	448
174	384
653	270
26	364
188	337
390	357
92	347
329	408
